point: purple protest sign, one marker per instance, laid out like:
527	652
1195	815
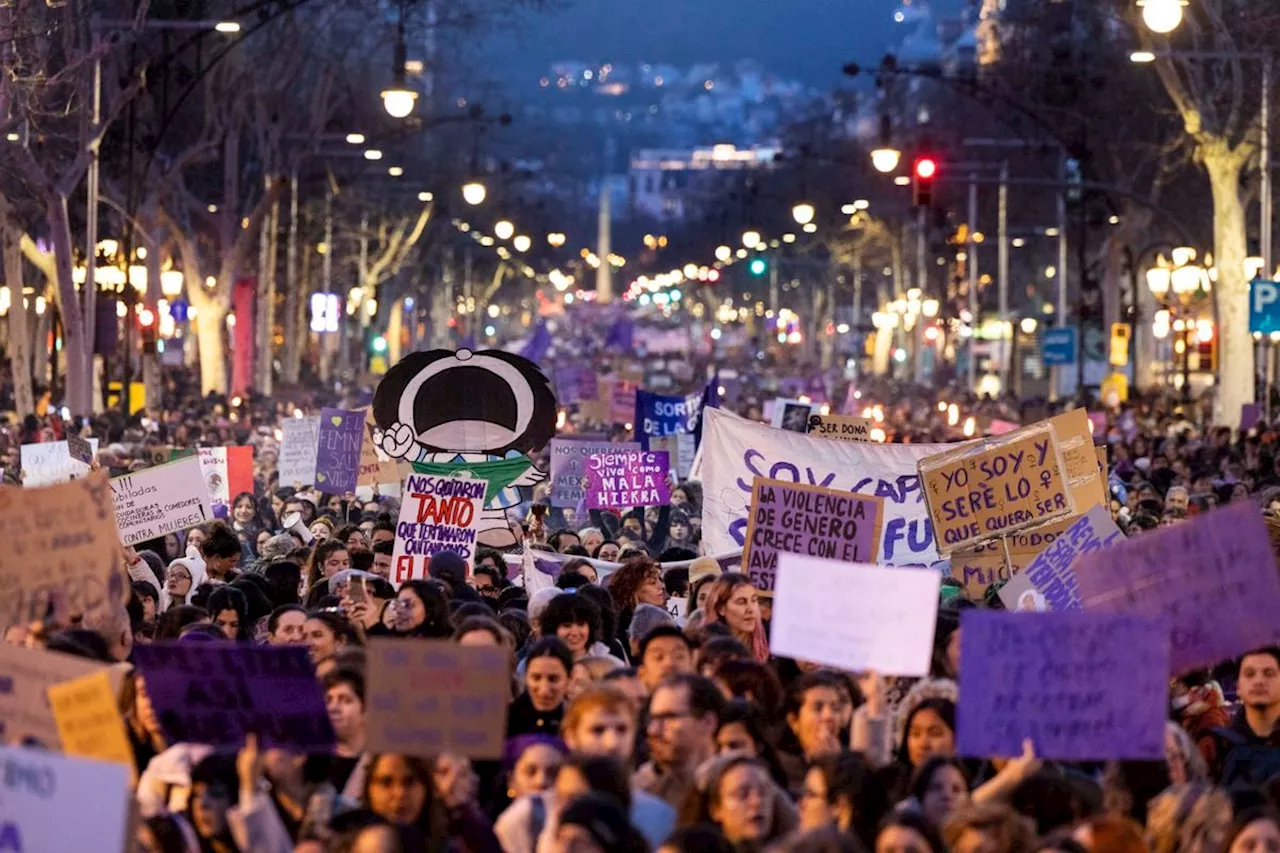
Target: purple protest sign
1079	686
633	478
1214	578
569	465
1250	414
797	519
340	439
215	693
1051	573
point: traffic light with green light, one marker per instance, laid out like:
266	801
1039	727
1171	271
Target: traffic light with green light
758	266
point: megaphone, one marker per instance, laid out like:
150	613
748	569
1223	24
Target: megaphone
292	523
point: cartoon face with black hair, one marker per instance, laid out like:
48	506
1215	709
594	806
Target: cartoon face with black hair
464	407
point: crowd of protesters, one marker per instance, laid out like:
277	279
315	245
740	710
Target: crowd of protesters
632	728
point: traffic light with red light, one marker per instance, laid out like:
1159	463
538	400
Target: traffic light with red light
923	172
147	330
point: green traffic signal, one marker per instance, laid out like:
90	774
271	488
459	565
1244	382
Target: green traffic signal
758	266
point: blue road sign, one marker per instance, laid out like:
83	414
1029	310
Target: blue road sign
1264	306
1058	346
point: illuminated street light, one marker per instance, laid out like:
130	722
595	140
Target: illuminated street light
723	254
372	154
750	239
522	243
885	159
355	139
555	239
227	26
398	101
1162	16
803	213
504	230
473	193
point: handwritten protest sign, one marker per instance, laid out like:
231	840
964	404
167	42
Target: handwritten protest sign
854	617
986	563
436	514
631	478
88	719
431	696
376	468
841	427
61	550
51	802
1079	686
216	693
1051	573
338	446
1079	460
299	439
50	462
735	450
25	674
999	487
794	519
80	449
160	500
569	466
1223	557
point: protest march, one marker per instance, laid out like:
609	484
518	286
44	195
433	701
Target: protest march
500	602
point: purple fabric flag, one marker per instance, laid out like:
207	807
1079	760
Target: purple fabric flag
621	334
1214	578
536	348
1079	686
338	445
633	478
216	693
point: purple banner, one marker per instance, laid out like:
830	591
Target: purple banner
216	693
1051	572
633	478
796	519
1079	686
1214	578
340	439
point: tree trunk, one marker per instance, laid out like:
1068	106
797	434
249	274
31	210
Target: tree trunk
19	345
211	318
79	381
1235	344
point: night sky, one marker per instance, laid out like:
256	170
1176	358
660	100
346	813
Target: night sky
807	40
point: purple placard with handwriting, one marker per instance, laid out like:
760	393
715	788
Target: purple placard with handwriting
632	478
338	445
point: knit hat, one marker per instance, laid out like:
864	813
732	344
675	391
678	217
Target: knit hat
703	567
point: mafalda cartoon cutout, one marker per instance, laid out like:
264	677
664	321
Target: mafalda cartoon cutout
446	412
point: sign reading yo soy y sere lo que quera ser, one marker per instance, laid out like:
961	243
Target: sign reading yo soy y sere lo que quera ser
1001	486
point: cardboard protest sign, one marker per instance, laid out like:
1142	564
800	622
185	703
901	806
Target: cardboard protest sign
665	415
338	445
792	415
627	479
54	803
25	674
88	719
448	409
216	693
50	462
61	550
376	468
841	427
80	449
735	450
569	466
227	472
855	617
1079	686
680	449
160	500
999	487
436	514
299	441
425	697
986	563
1075	442
1213	578
1051	572
810	520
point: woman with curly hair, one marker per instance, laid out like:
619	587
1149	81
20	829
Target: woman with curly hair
734	600
638	581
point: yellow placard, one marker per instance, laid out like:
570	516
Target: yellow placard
841	427
1074	432
88	719
1120	333
998	487
979	566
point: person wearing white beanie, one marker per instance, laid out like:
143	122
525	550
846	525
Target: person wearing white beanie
183	577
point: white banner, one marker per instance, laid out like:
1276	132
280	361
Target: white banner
436	514
50	462
299	438
52	802
734	451
160	500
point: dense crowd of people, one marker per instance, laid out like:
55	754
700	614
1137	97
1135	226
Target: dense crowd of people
637	725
